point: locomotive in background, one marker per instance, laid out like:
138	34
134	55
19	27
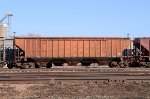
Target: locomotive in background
36	52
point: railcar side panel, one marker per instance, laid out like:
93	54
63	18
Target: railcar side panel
97	48
61	48
72	47
86	48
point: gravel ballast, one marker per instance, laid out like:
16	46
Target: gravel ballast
76	90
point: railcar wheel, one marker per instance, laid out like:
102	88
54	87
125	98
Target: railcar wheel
121	65
113	64
10	64
148	65
143	64
126	64
33	61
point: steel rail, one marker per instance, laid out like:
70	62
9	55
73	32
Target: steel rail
49	76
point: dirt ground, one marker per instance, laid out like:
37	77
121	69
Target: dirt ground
77	90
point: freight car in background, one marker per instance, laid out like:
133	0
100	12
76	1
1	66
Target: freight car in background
142	51
73	51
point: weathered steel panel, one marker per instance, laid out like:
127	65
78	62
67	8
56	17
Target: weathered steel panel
50	48
74	49
97	45
118	48
86	48
103	48
143	44
20	43
43	48
92	48
66	47
33	48
55	49
38	48
80	48
61	48
109	48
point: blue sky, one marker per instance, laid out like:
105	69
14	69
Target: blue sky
79	17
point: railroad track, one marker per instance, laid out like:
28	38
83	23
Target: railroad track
46	75
76	69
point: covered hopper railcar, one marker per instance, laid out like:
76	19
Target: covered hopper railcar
58	51
142	51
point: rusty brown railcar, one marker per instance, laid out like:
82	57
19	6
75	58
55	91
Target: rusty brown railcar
73	50
143	47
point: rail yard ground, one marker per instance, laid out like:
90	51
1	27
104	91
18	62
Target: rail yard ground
75	83
76	90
